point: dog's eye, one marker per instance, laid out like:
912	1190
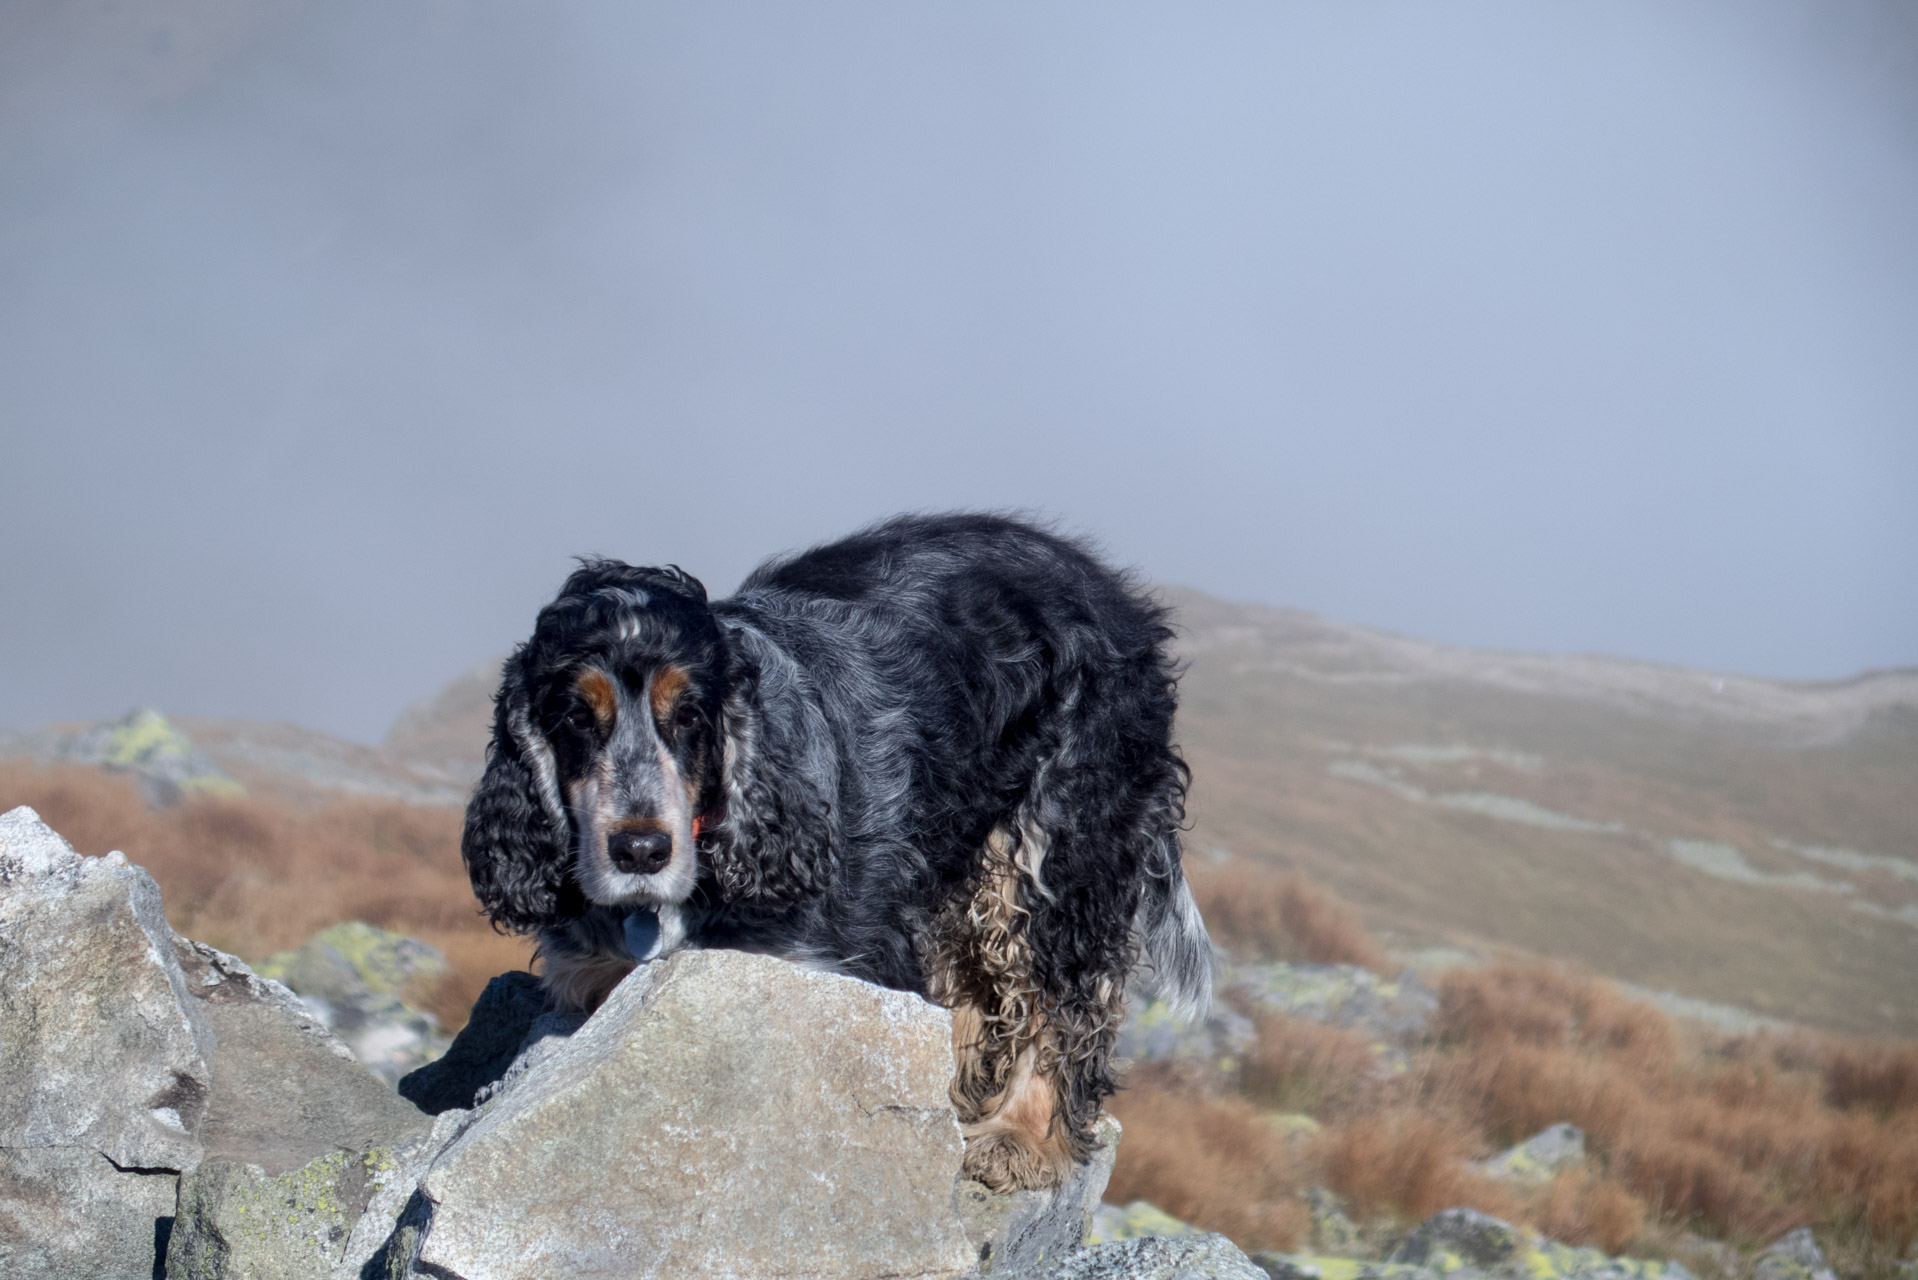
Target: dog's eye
581	718
686	717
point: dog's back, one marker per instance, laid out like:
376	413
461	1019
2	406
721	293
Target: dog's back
975	670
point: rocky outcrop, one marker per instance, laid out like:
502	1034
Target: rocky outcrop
723	1114
162	760
1795	1256
1395	1010
1202	1256
138	1062
100	1044
715	1118
1539	1158
1467	1243
356	979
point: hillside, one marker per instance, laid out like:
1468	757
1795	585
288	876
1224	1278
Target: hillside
1734	839
1745	841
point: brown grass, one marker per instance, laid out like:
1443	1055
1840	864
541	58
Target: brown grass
1742	1138
1209	1160
1253	909
1409	1162
1299	1065
253	877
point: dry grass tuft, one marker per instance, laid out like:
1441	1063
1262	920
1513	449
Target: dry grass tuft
1408	1162
1253	909
1299	1065
252	877
1212	1161
1584	1208
1743	1140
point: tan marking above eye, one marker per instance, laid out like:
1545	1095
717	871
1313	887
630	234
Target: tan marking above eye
596	687
668	684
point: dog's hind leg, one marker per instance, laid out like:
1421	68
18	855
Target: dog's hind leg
1025	1103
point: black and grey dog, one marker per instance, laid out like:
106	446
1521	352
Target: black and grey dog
936	755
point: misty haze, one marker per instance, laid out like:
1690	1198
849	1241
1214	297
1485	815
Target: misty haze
1517	407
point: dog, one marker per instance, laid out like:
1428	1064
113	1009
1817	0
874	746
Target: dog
935	755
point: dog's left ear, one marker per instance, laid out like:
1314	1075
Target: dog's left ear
774	841
516	834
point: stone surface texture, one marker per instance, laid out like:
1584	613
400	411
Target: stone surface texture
1020	1230
67	1212
1135	1221
715	1118
100	1046
1541	1157
356	979
1795	1256
1183	1257
300	1139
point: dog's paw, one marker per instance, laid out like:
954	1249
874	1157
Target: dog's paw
1008	1160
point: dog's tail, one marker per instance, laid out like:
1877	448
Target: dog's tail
1176	962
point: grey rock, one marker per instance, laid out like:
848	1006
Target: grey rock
722	1114
1299	1266
285	1089
1018	1231
355	978
67	1212
1135	1221
1219	1042
483	1050
100	1046
1540	1157
1479	1239
1314	1267
1333	1231
300	1139
1399	1010
1794	1256
163	760
237	1222
1193	1257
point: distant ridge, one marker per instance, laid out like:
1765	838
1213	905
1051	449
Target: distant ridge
1299	644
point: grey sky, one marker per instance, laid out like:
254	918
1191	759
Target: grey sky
328	331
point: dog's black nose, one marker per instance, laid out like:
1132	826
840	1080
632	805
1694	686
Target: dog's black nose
639	853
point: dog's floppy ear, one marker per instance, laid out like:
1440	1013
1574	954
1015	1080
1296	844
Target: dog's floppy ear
774	840
515	840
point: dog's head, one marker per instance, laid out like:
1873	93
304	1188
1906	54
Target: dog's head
606	750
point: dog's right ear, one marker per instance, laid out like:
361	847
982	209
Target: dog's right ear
515	842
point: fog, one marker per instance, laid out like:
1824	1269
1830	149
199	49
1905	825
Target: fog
330	331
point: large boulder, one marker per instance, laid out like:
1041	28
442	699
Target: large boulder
100	1045
722	1115
107	1063
146	1071
300	1139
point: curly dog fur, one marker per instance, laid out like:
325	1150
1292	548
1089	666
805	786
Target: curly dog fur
935	755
